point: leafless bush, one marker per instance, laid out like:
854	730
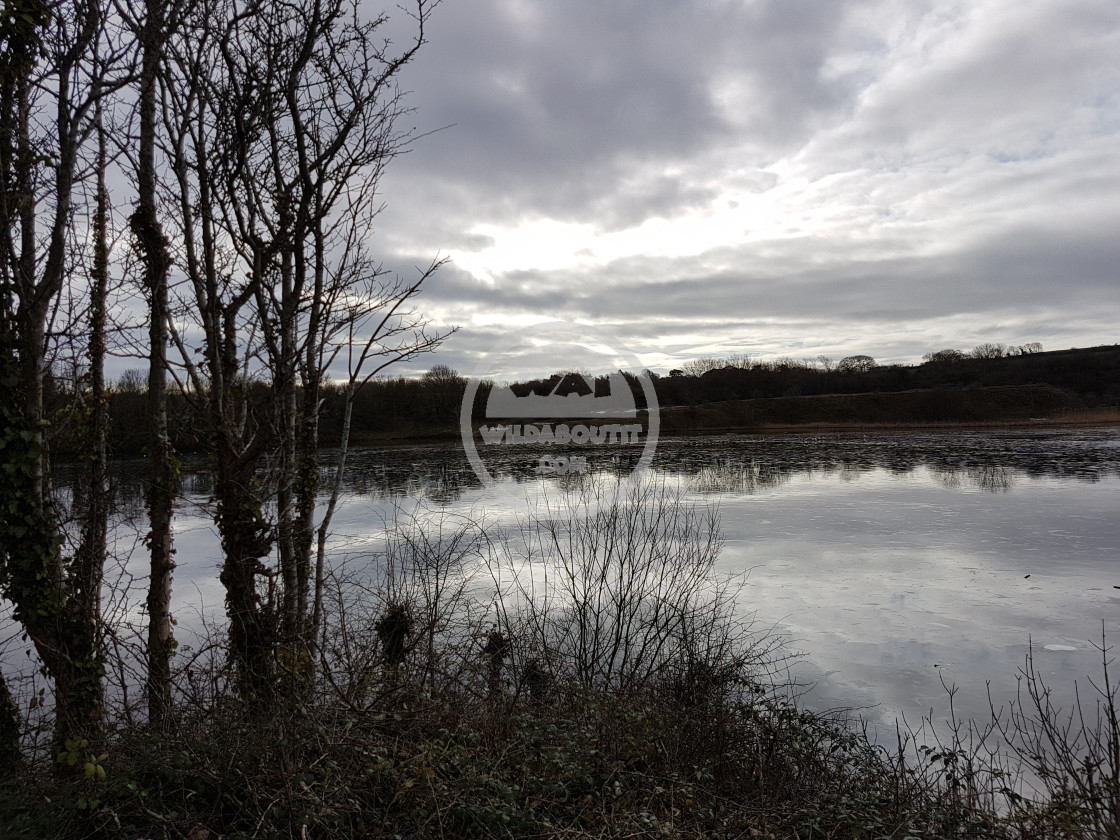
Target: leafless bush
614	589
425	572
1046	770
1074	752
961	763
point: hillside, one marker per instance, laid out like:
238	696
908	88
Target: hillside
1089	377
1001	404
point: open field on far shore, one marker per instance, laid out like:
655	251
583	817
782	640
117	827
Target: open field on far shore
1020	406
1073	419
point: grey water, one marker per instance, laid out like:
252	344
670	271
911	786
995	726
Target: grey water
896	565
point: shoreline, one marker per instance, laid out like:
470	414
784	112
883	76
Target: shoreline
1062	422
1074	420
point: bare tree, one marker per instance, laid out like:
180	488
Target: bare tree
278	122
380	328
989	351
58	66
948	356
443	391
89	558
698	367
151	22
855	364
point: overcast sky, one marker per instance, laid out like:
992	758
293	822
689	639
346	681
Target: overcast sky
770	177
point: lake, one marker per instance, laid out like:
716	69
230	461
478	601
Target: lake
890	562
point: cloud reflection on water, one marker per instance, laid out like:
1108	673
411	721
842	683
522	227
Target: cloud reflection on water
892	561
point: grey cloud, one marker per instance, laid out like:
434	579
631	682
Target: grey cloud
556	110
1019	269
964	159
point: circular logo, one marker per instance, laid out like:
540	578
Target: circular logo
558	400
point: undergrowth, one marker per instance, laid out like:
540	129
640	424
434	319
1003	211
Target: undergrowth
586	765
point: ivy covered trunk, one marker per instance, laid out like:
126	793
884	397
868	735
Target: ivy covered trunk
50	72
54	604
162	486
246	538
10	730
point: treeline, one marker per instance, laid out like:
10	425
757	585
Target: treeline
389	408
1091	376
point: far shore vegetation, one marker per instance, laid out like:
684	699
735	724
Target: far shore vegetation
990	386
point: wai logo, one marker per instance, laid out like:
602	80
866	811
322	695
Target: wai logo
571	415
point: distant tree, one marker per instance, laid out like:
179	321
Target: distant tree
442	373
948	356
698	367
827	363
128	408
443	390
788	363
132	381
856	364
989	351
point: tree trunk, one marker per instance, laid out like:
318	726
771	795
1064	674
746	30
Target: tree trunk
246	538
89	561
56	600
308	476
10	728
163	468
325	525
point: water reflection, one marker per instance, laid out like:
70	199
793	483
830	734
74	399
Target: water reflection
734	464
991	477
992	462
891	559
728	476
